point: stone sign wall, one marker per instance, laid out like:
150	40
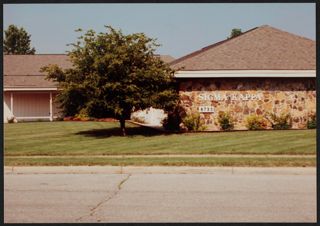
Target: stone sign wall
242	97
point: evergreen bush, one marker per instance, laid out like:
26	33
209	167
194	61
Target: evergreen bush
174	119
225	121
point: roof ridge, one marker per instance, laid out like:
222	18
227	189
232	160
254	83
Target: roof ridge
277	29
210	46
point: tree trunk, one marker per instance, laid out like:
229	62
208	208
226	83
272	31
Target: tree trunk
123	126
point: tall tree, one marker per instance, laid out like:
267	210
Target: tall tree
17	41
112	75
235	32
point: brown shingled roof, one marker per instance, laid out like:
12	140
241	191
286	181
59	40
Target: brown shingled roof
166	58
27	81
24	70
31	64
261	48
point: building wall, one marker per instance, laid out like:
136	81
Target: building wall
29	104
242	97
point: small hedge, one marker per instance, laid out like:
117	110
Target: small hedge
193	122
225	121
256	122
312	121
82	116
281	122
174	119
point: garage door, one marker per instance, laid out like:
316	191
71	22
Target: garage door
31	105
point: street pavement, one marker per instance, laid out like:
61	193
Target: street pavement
159	194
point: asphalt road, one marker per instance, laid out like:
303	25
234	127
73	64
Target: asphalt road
159	194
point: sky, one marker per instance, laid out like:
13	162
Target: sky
179	28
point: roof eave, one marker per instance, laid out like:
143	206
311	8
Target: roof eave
247	74
30	88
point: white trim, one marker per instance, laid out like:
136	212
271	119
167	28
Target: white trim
51	119
36	117
247	74
29	89
33	117
11	102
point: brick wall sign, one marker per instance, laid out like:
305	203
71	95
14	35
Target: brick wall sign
242	97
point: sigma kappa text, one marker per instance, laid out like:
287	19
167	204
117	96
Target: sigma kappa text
219	97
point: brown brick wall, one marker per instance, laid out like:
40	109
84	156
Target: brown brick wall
247	96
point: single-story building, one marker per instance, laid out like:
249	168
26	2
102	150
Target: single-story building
263	70
27	94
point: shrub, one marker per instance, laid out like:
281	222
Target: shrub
225	121
82	116
283	121
174	118
193	122
312	121
256	122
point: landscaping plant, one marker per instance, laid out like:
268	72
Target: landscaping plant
193	122
174	119
312	121
225	121
82	116
256	122
283	121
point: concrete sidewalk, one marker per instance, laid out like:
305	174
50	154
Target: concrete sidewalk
158	170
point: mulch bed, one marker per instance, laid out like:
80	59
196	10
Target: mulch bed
90	119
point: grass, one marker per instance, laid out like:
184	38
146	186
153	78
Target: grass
172	161
83	143
103	138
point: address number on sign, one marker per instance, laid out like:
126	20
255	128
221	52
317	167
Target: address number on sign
206	109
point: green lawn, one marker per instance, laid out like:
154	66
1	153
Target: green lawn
103	138
164	161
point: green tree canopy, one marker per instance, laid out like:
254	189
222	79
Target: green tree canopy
17	41
235	32
112	75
